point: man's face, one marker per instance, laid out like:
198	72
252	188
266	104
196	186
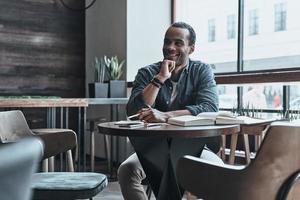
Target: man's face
176	45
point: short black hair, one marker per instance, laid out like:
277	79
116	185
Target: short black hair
192	37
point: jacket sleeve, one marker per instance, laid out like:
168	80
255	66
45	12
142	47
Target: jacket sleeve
206	98
136	100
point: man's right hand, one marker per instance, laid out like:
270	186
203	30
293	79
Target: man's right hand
167	66
152	115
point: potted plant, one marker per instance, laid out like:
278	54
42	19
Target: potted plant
99	89
117	88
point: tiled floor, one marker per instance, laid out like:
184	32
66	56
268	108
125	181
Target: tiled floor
112	192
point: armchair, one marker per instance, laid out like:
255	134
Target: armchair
272	175
13	127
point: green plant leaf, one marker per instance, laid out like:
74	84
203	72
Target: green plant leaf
99	66
114	68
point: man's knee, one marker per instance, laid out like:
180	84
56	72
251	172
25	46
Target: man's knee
130	171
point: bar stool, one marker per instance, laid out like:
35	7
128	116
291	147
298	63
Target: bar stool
107	146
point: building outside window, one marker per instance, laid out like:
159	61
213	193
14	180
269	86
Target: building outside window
253	22
231	25
211	30
280	17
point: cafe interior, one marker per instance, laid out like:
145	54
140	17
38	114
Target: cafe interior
68	69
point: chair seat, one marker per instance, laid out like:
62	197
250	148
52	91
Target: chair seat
67	185
56	140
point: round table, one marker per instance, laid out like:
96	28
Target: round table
167	130
165	187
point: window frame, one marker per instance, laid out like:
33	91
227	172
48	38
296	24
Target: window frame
280	16
211	23
253	22
231	26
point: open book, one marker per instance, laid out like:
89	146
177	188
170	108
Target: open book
207	118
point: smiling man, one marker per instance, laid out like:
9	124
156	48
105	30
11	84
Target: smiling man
173	87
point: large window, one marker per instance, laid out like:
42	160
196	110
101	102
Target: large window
227	96
280	17
257	41
294	96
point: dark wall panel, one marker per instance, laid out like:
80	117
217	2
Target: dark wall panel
42	49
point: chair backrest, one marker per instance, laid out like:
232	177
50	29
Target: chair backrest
18	162
13	126
276	160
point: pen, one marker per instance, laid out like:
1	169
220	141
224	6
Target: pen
134	116
138	114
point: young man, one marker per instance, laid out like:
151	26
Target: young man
173	87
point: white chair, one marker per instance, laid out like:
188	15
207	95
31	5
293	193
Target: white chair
18	162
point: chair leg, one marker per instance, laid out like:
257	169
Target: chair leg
108	152
70	161
233	142
246	148
222	149
76	157
45	165
51	164
92	149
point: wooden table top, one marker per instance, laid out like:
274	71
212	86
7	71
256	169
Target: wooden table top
107	101
31	103
168	130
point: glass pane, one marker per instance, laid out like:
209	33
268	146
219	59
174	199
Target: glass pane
215	23
262	96
271	34
295	97
227	96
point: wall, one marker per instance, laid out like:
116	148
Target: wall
131	29
41	49
147	22
105	33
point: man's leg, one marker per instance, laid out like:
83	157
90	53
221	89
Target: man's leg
130	176
153	154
